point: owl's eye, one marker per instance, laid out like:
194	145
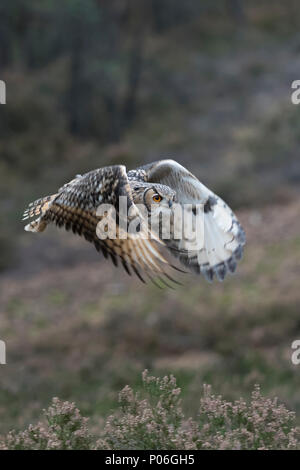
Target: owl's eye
156	198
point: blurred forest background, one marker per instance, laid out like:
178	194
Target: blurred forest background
93	83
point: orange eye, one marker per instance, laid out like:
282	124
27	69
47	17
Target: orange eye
157	198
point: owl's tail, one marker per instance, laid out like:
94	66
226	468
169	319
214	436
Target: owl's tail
38	208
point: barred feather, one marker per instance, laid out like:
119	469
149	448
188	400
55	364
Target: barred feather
38	207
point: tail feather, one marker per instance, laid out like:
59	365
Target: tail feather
37	209
36	226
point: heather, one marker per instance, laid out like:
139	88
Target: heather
63	429
155	420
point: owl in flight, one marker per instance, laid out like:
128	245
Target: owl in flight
157	187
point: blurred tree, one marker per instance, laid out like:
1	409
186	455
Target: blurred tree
13	25
99	50
169	13
124	28
137	25
236	10
79	20
5	36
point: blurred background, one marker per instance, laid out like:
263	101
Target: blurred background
93	83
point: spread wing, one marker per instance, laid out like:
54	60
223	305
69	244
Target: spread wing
223	236
76	207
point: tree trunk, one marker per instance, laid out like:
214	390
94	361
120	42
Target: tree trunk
79	91
134	76
138	25
236	11
5	46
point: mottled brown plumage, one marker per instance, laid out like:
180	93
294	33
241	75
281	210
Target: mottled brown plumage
74	207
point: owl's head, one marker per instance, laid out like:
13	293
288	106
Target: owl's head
153	196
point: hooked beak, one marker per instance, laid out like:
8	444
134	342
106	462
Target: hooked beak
170	203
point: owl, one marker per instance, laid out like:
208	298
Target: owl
163	191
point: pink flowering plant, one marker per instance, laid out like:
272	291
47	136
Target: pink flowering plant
154	419
63	428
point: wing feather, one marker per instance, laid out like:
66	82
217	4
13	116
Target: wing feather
224	238
75	206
